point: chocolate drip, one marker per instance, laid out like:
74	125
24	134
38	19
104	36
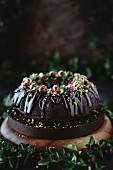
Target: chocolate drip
29	102
42	103
81	103
96	92
56	99
88	99
90	90
66	102
18	97
72	108
18	89
75	98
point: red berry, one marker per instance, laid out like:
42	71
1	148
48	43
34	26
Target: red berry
85	150
24	86
43	88
56	88
32	86
52	73
26	80
71	87
60	73
91	160
86	82
77	84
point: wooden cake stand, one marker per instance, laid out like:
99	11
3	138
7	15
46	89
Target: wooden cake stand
104	132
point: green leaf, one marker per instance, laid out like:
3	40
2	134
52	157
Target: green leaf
74	158
101	153
69	166
102	141
92	141
99	167
64	75
81	162
44	161
71	146
1	153
89	167
10	163
19	155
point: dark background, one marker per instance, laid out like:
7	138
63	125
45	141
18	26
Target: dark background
48	35
43	35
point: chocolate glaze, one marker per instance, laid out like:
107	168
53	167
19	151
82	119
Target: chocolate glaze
67	105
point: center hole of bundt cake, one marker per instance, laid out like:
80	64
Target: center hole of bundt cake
57	81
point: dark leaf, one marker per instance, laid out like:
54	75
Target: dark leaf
45	161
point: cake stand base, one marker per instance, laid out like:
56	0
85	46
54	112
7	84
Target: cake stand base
104	132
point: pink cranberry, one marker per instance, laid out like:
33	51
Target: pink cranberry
56	88
32	86
52	73
77	84
72	87
24	86
26	80
42	89
60	73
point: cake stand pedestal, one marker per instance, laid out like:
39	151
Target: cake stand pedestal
104	132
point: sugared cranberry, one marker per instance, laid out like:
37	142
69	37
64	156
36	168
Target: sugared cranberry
41	75
60	73
26	80
32	86
42	89
52	73
71	87
35	75
24	86
76	74
77	84
56	88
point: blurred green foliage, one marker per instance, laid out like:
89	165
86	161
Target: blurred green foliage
98	18
96	68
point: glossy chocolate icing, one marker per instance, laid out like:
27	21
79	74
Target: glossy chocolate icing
69	105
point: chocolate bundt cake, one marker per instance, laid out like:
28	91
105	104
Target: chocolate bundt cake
56	105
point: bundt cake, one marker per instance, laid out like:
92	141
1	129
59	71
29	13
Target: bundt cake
56	105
